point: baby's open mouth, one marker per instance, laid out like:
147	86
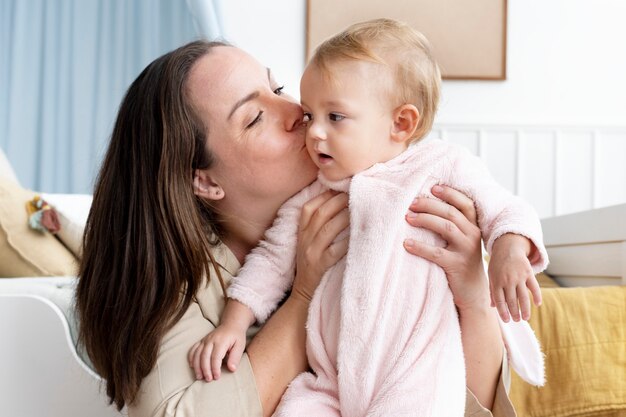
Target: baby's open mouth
324	158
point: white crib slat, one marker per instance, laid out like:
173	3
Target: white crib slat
611	169
575	174
464	137
537	170
501	157
558	169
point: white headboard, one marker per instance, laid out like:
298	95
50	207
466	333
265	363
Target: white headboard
587	248
558	169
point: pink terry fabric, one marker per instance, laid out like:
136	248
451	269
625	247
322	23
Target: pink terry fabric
383	336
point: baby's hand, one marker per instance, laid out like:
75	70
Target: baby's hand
510	275
207	355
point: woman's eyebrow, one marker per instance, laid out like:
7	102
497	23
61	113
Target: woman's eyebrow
249	97
244	100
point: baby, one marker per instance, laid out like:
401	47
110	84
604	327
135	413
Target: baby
383	335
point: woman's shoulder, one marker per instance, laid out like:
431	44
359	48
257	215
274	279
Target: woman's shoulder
172	383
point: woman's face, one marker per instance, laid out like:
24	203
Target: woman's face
254	131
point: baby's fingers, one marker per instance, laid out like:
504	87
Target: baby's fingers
524	301
204	362
500	304
192	353
512	302
533	286
234	356
217	357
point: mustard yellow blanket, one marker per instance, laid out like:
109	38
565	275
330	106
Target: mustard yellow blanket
583	335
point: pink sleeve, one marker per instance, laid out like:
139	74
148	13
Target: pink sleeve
268	271
499	211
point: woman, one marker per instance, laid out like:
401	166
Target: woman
204	152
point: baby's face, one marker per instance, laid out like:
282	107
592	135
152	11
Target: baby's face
349	118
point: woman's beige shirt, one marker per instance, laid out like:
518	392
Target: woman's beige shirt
171	388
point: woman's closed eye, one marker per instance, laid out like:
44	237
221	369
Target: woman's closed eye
279	92
335	117
256	120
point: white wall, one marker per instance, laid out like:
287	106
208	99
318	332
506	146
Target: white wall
273	31
566	61
566	65
554	131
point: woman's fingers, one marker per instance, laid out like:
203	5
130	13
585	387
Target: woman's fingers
329	230
431	253
442	210
445	228
330	218
457	199
310	208
319	222
322	219
335	252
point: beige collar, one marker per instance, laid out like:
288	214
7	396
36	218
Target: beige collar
226	259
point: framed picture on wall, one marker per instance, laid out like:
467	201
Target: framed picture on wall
468	37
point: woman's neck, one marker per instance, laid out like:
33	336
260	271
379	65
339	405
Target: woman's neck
244	231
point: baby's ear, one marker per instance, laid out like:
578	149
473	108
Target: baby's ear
405	121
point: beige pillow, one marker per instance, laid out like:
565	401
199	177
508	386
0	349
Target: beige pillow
25	252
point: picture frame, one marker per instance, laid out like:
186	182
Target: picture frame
469	38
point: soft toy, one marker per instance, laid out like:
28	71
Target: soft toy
42	216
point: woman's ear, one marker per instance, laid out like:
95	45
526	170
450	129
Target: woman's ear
205	187
405	121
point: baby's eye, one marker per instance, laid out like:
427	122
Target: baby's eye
336	117
306	118
279	91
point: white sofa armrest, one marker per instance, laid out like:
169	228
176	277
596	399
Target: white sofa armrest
40	372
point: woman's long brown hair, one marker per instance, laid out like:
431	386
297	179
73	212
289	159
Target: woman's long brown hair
146	248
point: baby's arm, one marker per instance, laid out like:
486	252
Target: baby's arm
206	356
510	274
512	234
255	292
268	271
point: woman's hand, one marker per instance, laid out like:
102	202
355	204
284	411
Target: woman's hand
278	353
322	219
454	219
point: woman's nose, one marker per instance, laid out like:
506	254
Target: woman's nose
292	113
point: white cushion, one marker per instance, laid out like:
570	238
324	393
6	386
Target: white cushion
6	170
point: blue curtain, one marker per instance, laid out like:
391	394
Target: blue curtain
64	68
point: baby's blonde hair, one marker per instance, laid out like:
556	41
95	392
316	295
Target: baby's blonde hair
404	50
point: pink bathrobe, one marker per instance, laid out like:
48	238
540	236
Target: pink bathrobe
383	335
